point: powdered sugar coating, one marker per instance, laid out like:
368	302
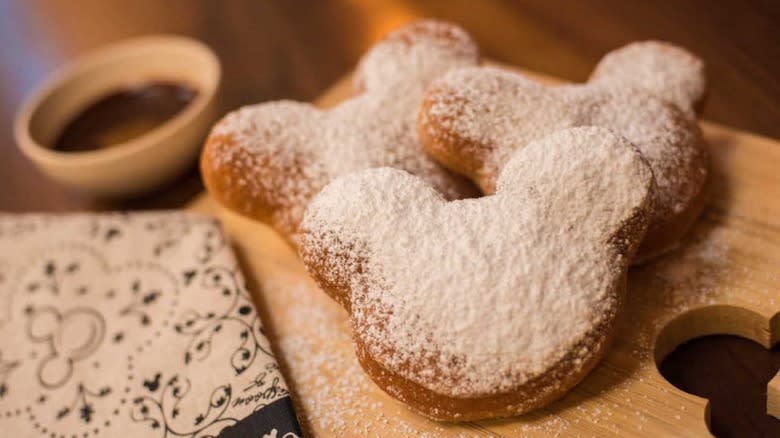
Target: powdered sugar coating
473	119
480	297
268	160
658	68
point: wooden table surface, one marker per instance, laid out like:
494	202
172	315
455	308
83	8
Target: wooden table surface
283	49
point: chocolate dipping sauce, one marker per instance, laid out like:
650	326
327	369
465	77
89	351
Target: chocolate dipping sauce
123	115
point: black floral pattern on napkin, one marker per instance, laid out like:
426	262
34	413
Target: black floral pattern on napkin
130	325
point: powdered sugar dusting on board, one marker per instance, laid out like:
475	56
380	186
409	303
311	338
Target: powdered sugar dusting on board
288	151
332	391
691	277
473	289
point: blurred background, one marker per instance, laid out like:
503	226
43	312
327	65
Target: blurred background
296	49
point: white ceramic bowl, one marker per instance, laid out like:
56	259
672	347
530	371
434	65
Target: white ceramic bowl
144	162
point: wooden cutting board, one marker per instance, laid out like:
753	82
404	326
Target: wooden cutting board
724	279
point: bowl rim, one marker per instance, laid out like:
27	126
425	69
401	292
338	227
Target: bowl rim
105	55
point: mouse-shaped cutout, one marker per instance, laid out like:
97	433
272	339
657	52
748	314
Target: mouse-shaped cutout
267	161
485	307
473	119
732	373
725	354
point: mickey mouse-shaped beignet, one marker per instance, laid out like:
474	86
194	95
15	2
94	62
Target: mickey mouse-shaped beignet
267	161
485	307
473	119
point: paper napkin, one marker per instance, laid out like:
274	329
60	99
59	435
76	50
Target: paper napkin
131	325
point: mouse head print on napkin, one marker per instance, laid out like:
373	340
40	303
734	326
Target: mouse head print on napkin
267	161
473	119
484	307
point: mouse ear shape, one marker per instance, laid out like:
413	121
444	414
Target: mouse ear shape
339	221
662	69
249	162
416	54
453	126
589	179
54	371
43	323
